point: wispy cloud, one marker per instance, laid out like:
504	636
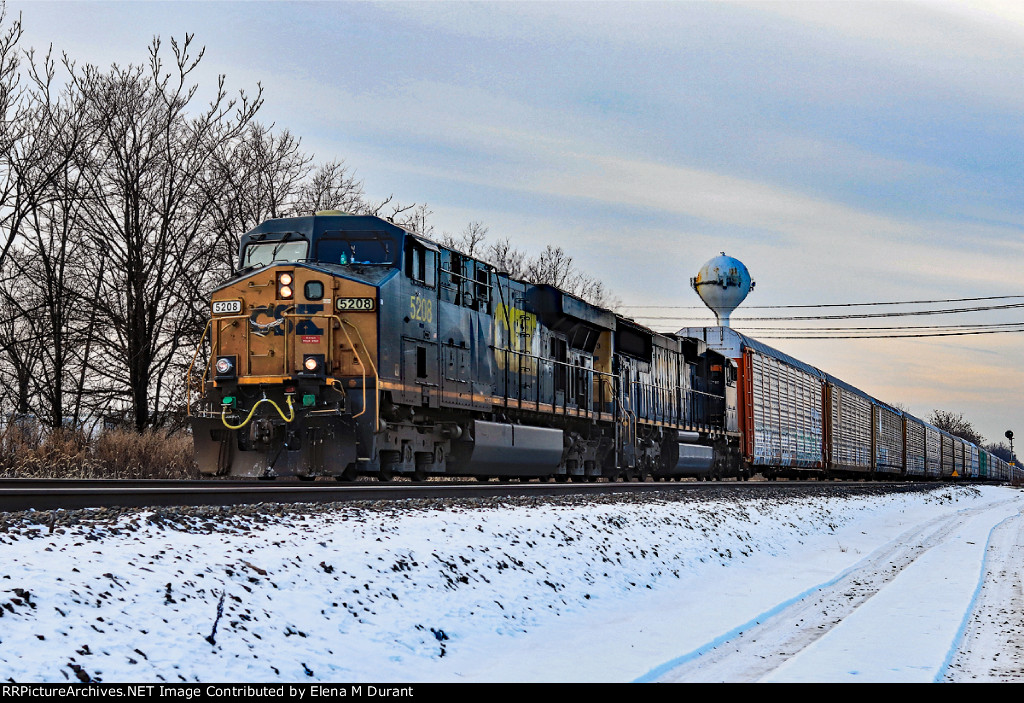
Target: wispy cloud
844	150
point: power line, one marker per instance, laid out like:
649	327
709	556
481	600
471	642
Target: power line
832	305
881	329
910	313
890	336
885	332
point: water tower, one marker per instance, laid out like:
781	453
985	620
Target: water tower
722	283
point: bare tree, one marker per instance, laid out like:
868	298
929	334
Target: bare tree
146	214
51	258
470	242
552	267
595	292
955	424
414	217
506	258
19	342
122	204
254	177
332	186
12	125
391	211
1001	450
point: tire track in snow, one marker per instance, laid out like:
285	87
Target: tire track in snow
752	652
982	656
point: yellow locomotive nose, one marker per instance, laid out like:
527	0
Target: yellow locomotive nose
281	331
289	324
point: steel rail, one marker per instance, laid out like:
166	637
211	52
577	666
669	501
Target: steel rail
25	494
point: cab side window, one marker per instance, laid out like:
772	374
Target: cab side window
483	287
421	263
451	276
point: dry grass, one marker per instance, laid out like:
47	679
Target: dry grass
29	451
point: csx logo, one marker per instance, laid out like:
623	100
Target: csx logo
516	322
267	319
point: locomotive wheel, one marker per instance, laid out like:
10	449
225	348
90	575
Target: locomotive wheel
424	465
561	478
629	475
388	460
481	478
348	475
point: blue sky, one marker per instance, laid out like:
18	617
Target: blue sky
845	152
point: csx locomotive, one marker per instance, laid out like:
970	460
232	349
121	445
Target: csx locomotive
347	346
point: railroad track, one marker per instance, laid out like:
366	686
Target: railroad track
35	494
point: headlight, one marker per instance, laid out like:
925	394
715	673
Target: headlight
224	368
284	286
313	366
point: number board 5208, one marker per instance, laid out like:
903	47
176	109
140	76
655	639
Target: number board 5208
355	304
227	307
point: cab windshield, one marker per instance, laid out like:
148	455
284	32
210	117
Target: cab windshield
355	250
266	253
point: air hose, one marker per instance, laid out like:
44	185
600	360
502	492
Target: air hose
289	418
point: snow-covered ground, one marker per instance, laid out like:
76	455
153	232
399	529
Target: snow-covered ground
920	586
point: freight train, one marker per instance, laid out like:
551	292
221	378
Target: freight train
349	346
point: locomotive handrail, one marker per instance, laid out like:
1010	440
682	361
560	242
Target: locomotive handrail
188	377
464	277
632	425
362	367
568	364
508	326
242	316
355	349
553	361
690	391
285	314
376	376
669	388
